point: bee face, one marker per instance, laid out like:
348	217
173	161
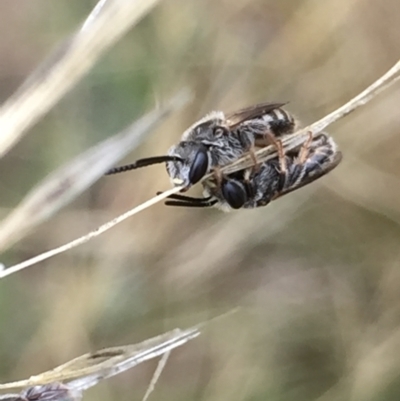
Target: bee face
193	167
206	144
198	149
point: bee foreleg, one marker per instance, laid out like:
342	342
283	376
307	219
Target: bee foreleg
217	175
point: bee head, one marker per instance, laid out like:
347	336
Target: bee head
192	167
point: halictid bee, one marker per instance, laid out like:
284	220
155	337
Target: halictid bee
218	139
255	187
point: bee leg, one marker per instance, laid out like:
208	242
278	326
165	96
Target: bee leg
298	167
256	164
248	182
283	169
305	150
271	140
250	147
191	204
217	175
323	156
187	198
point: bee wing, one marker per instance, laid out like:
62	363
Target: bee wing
325	169
251	112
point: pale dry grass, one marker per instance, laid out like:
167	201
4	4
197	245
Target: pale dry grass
317	270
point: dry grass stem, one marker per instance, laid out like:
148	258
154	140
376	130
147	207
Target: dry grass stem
296	139
70	180
89	369
95	233
291	142
108	22
267	153
157	373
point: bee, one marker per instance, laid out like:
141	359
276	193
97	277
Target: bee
252	188
218	139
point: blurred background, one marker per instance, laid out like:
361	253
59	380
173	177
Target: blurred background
316	273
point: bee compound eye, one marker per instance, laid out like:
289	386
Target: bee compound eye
199	166
234	194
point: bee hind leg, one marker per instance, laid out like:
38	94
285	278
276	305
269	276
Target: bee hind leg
283	168
253	156
305	149
323	156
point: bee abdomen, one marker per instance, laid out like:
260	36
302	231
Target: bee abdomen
280	122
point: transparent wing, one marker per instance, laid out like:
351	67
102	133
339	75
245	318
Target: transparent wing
251	112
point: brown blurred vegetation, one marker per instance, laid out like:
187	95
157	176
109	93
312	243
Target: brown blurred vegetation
317	273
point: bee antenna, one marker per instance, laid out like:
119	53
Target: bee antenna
144	163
